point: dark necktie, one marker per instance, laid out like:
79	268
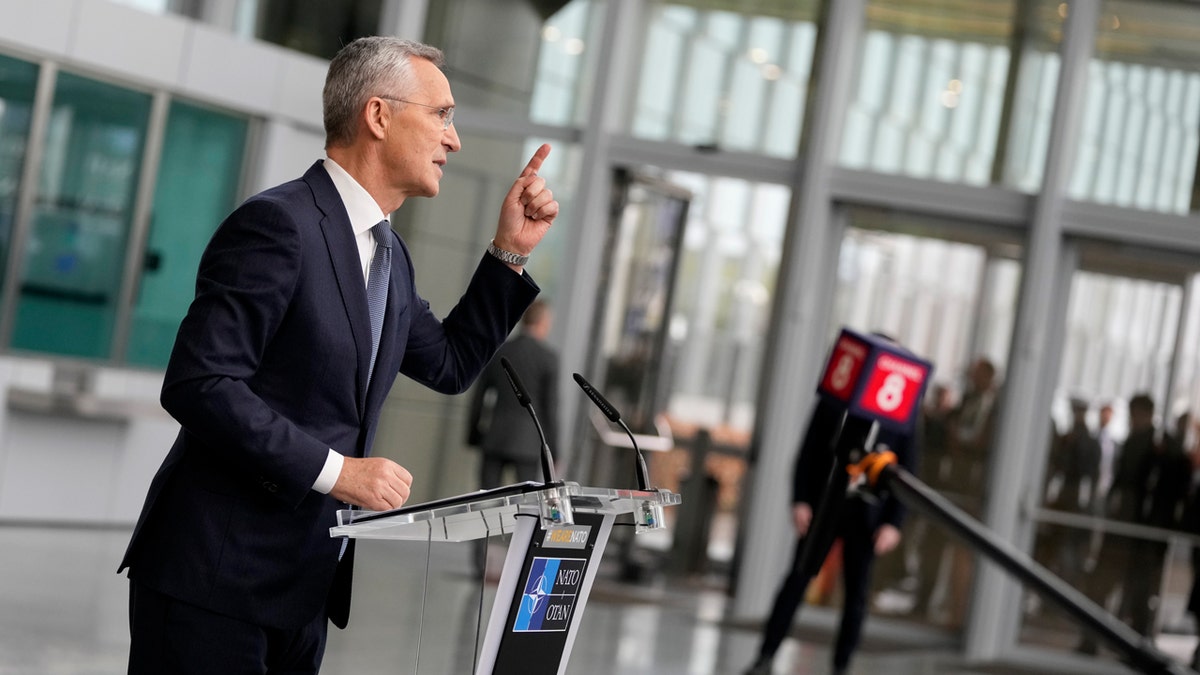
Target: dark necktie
377	286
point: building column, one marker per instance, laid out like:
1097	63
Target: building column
1025	400
575	307
797	344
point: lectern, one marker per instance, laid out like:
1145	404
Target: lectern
558	530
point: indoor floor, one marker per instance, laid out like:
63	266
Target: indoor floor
65	611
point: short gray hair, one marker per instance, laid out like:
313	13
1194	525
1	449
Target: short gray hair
368	66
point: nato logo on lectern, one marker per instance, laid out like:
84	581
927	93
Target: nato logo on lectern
550	593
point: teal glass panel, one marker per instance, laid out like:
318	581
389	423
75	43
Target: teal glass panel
1140	131
18	80
197	186
726	75
83	207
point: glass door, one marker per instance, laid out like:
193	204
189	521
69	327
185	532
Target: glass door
1115	491
948	292
681	320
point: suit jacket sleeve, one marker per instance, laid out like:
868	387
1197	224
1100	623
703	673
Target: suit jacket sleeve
447	355
243	288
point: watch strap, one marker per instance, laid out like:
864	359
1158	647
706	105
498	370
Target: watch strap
506	256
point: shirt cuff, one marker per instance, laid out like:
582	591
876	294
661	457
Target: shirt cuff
329	473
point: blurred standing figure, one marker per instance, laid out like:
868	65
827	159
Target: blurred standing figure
1191	525
1074	464
496	424
971	425
1153	476
1108	454
503	431
936	473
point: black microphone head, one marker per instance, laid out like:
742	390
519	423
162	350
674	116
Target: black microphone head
602	403
518	388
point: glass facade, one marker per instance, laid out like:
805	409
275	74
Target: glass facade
77	229
83	210
729	261
716	76
1118	467
18	82
565	66
942	84
954	302
1141	127
188	205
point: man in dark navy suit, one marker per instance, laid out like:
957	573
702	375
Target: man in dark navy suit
305	312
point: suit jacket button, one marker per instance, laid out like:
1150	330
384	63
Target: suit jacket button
270	487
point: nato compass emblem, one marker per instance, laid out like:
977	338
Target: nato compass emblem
536	596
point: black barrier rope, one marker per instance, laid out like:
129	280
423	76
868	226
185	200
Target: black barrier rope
883	474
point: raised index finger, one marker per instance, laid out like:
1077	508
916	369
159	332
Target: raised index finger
535	162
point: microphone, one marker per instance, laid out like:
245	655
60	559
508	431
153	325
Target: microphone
643	475
527	403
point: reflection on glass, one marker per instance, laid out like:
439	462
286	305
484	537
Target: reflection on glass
726	79
954	303
18	80
83	206
730	259
196	188
935	97
562	84
1141	123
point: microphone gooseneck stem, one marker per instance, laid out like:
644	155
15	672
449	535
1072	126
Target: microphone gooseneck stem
526	402
547	462
643	474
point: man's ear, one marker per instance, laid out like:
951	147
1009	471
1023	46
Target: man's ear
377	117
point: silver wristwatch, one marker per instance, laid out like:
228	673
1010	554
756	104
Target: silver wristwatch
507	256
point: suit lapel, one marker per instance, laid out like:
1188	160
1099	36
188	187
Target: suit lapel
347	267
